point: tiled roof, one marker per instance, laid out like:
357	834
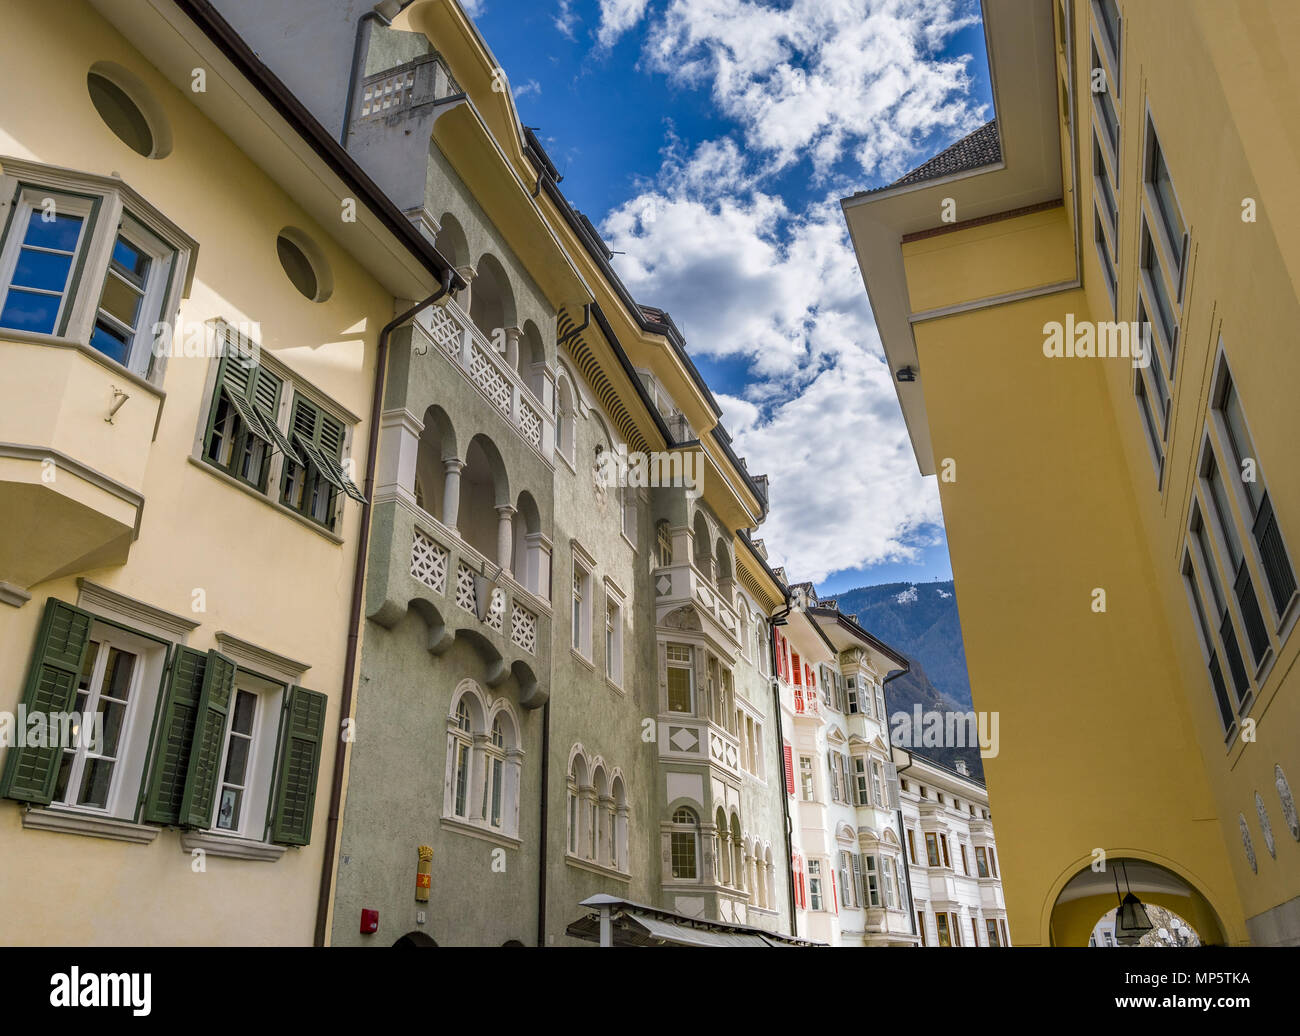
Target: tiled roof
973	151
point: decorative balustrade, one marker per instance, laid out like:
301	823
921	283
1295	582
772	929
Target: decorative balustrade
451	332
385	93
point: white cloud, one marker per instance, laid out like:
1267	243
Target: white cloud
754	278
616	17
823	79
530	87
566	18
473	8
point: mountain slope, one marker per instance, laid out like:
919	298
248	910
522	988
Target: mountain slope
919	619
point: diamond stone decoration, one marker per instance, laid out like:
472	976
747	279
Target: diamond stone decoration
663	585
684	739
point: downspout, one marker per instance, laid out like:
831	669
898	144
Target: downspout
358	592
575	331
780	749
541	855
902	833
372	15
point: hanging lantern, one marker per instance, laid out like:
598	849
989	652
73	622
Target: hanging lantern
1131	921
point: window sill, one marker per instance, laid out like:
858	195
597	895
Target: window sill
616	688
629	542
67	822
229	846
596	868
288	512
488	834
582	658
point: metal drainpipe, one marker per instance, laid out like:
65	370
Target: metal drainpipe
780	748
372	15
543	833
902	833
358	591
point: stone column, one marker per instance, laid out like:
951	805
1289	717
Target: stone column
453	466
513	334
505	538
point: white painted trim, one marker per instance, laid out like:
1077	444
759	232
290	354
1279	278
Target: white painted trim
70	823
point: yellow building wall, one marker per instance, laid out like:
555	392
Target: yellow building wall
1097	750
1224	100
267	578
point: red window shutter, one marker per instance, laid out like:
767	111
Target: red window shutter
834	897
797	666
798	697
789	769
809	677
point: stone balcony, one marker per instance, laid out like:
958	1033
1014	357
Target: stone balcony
418	564
448	331
75	437
682	584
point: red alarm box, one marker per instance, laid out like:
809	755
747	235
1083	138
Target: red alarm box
369	922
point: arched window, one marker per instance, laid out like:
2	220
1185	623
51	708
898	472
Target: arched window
484	763
664	540
621	861
566	420
770	868
578	787
722	849
463	748
684	845
494	775
737	854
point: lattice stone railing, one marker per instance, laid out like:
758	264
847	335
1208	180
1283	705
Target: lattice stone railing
449	329
429	562
465	587
488	378
523	629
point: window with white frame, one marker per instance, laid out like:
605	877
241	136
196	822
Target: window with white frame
684	839
851	694
815	884
118	684
846	885
613	637
263	427
862	796
581	608
681	677
85	258
248	757
877	784
664	542
807	790
484	763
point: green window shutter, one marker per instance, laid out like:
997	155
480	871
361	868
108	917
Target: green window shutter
175	735
209	737
30	773
298	768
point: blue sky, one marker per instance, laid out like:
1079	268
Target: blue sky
710	140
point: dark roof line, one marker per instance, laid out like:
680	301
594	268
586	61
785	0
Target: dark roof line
648	318
853	627
282	99
976	150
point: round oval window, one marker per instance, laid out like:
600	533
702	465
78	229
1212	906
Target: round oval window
298	267
121	114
